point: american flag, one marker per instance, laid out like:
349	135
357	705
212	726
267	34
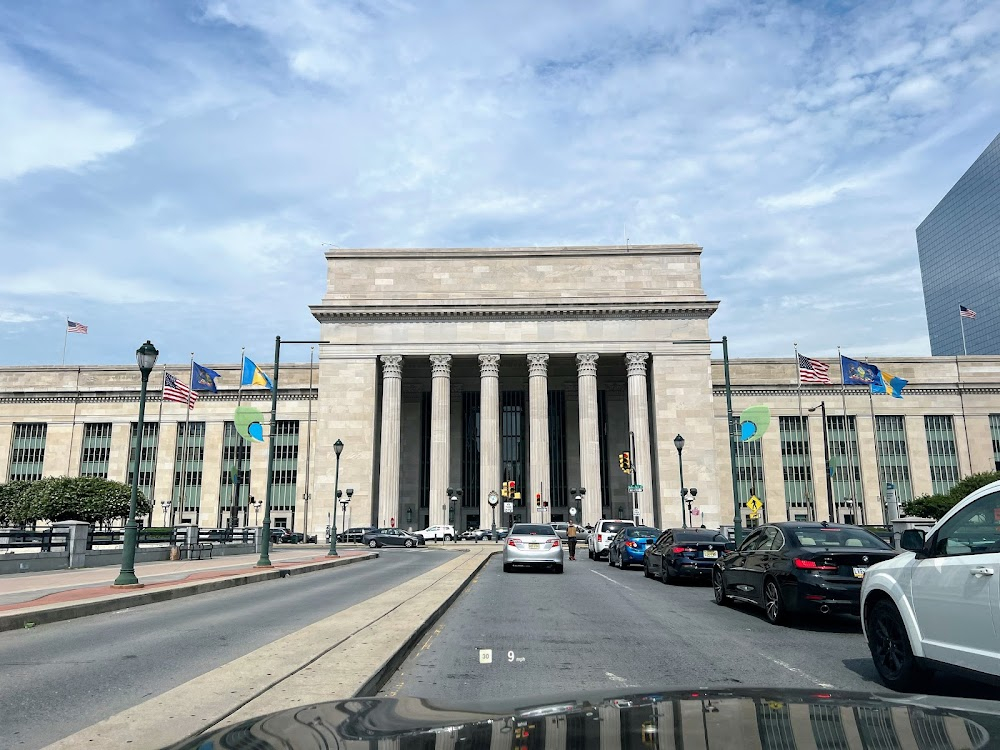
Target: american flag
73	327
175	390
813	371
966	312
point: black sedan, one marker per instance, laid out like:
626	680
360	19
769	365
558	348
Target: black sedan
391	538
788	568
684	553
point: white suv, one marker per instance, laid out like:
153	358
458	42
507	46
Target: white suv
600	538
437	532
938	605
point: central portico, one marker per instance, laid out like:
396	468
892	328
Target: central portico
464	368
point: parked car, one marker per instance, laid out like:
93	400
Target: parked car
937	604
282	535
533	544
582	534
297	537
794	567
354	533
476	535
391	537
447	533
502	533
629	545
684	553
600	538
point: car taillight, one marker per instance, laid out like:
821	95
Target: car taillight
682	550
555	542
631	544
512	542
803	564
599	537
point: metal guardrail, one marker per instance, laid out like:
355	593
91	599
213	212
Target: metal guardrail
49	540
116	537
242	536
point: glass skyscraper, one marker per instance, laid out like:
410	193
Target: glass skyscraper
959	248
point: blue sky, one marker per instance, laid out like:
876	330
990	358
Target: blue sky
174	170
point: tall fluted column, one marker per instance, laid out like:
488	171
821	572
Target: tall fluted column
388	477
440	436
638	424
590	442
489	436
538	448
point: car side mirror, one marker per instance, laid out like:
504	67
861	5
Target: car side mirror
912	540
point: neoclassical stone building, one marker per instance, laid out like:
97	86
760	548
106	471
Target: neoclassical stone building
465	368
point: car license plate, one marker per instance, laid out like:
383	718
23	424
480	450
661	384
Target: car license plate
860	572
710	554
537	546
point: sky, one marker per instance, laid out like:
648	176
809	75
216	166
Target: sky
173	170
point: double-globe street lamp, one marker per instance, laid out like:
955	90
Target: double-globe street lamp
145	356
338	448
679	445
578	496
343	506
165	504
256	508
454	496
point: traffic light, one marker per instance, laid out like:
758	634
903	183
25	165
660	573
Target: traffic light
625	461
505	492
538	500
513	491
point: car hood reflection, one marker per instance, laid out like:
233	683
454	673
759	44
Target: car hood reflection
708	719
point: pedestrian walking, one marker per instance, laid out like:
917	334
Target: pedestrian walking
571	538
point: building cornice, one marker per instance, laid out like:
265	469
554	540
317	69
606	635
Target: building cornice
822	393
523	310
110	397
583	251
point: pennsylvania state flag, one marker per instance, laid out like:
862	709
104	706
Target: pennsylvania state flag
203	379
253	375
858	373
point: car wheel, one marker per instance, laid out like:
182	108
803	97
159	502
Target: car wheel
645	569
890	647
774	605
623	563
590	553
373	544
559	568
408	543
668	574
719	588
611	560
447	537
507	568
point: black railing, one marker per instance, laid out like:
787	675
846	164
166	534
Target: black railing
49	540
116	537
242	535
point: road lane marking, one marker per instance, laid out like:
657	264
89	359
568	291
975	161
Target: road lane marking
799	672
612	580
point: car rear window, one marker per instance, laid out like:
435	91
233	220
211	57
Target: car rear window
642	531
533	529
838	536
699	536
614	528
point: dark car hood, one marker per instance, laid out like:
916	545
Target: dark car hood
723	719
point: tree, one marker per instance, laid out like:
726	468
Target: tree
90	499
935	506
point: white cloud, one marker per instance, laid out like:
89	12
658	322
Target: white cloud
80	282
10	317
43	129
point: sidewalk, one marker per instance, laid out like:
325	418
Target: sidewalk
36	598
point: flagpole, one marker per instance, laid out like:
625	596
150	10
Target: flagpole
66	339
961	322
798	379
234	510
159	431
308	492
965	422
881	499
72	428
847	437
187	432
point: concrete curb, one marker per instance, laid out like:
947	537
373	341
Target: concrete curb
377	681
45	615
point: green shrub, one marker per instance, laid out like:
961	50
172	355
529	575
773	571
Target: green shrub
935	506
91	499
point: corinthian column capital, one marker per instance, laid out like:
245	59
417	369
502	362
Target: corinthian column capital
538	365
635	362
586	364
392	365
440	365
489	365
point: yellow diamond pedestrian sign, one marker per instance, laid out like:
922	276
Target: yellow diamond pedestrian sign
754	505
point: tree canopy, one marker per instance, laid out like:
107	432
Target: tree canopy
91	499
935	506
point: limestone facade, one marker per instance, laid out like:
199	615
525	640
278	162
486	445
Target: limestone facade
464	368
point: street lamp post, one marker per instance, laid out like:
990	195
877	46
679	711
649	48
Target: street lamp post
826	461
145	356
344	504
679	445
338	447
256	509
165	504
453	497
493	498
690	502
578	496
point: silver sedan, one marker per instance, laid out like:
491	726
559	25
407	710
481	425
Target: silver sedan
533	544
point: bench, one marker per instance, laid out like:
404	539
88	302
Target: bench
198	548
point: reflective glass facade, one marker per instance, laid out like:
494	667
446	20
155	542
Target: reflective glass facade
27	452
96	451
796	468
942	453
959	248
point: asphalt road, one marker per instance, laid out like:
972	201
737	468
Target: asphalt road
597	628
60	678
